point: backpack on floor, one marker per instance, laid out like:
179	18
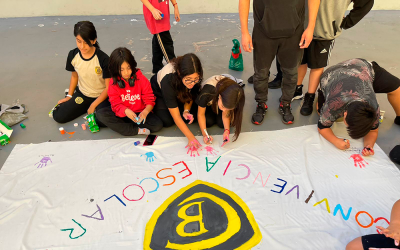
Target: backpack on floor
395	154
236	61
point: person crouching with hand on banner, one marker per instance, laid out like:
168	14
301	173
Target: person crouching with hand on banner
176	86
131	97
348	90
221	101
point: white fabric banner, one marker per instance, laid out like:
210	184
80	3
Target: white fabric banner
101	194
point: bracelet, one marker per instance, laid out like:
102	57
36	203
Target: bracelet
228	131
174	4
70	96
186	110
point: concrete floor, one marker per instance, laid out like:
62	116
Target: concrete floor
33	66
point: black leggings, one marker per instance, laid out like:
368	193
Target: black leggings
75	107
124	125
161	109
213	118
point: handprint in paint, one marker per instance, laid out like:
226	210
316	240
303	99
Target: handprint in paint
358	161
193	150
43	162
211	150
150	156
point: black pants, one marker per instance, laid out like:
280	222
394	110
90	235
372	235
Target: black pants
278	68
161	109
288	54
213	118
126	126
163	47
75	107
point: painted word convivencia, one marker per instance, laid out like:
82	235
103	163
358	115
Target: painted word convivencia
166	174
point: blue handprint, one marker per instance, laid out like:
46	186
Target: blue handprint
150	156
43	162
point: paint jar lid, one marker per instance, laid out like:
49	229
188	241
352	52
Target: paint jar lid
76	124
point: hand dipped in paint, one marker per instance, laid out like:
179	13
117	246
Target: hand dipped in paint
368	150
142	116
43	162
225	136
156	14
193	148
150	156
188	116
358	161
131	115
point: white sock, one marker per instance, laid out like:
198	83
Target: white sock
143	131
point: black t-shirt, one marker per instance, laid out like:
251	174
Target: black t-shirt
206	96
170	94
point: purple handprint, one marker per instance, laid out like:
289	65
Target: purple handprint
43	162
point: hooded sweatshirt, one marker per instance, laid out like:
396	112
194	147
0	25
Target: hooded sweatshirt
135	98
331	21
279	18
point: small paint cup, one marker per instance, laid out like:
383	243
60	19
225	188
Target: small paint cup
162	16
62	131
83	126
22	125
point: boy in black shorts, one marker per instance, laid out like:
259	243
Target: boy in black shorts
389	239
328	27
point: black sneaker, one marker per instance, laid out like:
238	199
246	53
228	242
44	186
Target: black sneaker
307	107
286	111
258	116
298	94
251	79
275	84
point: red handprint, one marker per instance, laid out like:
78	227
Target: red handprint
211	150
193	150
358	161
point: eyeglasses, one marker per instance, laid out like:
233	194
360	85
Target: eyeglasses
190	81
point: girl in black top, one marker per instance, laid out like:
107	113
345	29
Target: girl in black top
175	86
89	79
221	100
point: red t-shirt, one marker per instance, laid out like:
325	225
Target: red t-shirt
135	98
157	26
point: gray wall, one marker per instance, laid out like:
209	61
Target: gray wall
29	8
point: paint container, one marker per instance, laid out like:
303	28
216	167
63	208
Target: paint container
76	124
22	125
382	113
136	143
62	131
83	126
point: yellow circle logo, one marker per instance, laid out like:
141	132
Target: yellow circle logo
98	70
79	100
202	215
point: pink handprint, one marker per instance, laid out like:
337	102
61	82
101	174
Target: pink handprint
358	161
193	150
211	150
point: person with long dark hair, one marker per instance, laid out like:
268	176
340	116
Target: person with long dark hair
89	79
221	101
176	86
131	98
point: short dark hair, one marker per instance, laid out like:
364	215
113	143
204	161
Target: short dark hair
360	119
87	31
117	58
185	65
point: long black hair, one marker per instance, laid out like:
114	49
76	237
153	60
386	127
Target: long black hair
184	66
87	31
232	97
360	119
117	58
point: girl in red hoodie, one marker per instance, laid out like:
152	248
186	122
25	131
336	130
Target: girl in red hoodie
131	98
